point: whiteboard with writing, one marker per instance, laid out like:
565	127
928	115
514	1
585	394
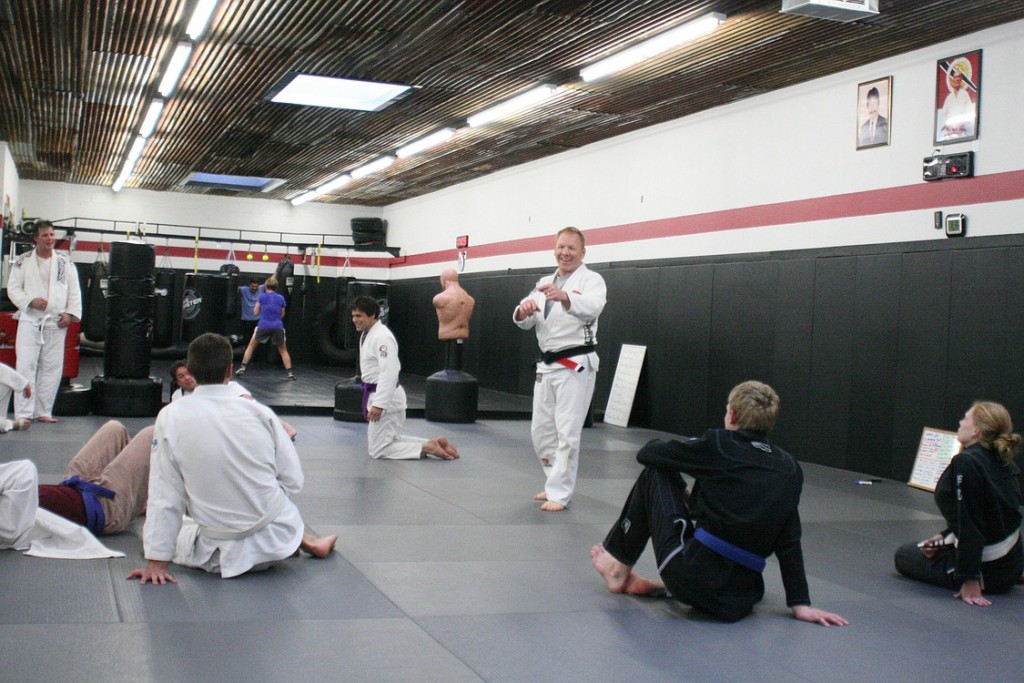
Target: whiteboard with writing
627	376
937	448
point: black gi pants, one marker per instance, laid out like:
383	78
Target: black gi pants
998	576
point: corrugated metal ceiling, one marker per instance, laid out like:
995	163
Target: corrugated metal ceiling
77	75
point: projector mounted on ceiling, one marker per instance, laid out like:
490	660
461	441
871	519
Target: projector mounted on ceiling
836	10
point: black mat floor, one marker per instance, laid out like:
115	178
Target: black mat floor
449	572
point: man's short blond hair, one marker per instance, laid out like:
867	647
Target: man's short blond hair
573	231
755	406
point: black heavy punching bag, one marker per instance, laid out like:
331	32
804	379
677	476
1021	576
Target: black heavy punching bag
94	319
203	305
285	276
163	308
129	311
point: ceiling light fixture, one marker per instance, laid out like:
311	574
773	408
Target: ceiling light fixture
656	45
304	197
508	107
152	116
179	60
338	93
200	18
425	143
334	184
372	167
136	150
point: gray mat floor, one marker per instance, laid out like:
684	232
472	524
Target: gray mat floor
449	572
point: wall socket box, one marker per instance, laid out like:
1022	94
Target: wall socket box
956	225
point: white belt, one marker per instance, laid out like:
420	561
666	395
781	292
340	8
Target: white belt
997	550
276	507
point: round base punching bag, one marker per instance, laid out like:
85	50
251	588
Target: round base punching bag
118	397
348	400
129	307
451	397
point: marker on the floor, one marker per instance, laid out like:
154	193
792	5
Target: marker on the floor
867	482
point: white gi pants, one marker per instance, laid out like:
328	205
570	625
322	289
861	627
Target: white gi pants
19	498
40	352
5	399
561	400
386	441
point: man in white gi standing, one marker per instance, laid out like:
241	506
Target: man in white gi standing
44	286
228	465
563	308
384	401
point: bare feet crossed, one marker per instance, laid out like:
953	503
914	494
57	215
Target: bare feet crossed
620	578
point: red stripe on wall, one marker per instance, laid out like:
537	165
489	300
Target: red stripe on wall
996	187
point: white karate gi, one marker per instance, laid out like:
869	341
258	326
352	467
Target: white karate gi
379	364
39	532
231	467
10	381
237	388
40	342
19	498
561	396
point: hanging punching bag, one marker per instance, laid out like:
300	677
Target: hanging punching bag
163	309
94	319
285	275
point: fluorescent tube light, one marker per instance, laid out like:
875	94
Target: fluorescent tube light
334	184
338	93
304	197
372	167
179	60
425	143
200	18
136	150
126	173
656	45
152	116
509	107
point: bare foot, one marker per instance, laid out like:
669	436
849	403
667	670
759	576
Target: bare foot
45	418
620	577
541	496
448	447
22	423
435	449
552	506
318	547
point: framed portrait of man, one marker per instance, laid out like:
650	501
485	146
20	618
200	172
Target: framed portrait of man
874	112
957	98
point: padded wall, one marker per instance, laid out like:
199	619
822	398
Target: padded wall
865	345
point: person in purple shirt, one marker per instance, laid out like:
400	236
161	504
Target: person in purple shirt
270	307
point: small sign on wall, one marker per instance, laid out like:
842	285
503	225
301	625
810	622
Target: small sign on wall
627	376
936	449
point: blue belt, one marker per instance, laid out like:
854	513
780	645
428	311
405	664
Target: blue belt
91	494
729	551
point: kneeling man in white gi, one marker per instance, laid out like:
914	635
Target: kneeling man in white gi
228	465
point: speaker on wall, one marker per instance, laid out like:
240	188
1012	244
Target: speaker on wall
369	234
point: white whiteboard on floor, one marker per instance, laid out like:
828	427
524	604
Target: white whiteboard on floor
627	376
937	448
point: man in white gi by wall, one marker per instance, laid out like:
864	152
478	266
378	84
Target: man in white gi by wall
384	401
44	286
228	465
563	309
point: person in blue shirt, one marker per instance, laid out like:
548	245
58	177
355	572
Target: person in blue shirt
270	307
248	296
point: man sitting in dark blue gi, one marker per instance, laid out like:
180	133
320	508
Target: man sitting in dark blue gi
711	543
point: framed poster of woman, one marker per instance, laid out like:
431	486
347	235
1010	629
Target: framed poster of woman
957	98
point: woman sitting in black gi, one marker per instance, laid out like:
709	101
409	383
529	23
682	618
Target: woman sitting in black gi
979	495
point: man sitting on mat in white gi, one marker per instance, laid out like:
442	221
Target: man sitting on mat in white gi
384	400
228	465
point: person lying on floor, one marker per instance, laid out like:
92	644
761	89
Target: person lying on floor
229	466
711	542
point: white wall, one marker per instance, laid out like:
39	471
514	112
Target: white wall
790	145
8	181
786	146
